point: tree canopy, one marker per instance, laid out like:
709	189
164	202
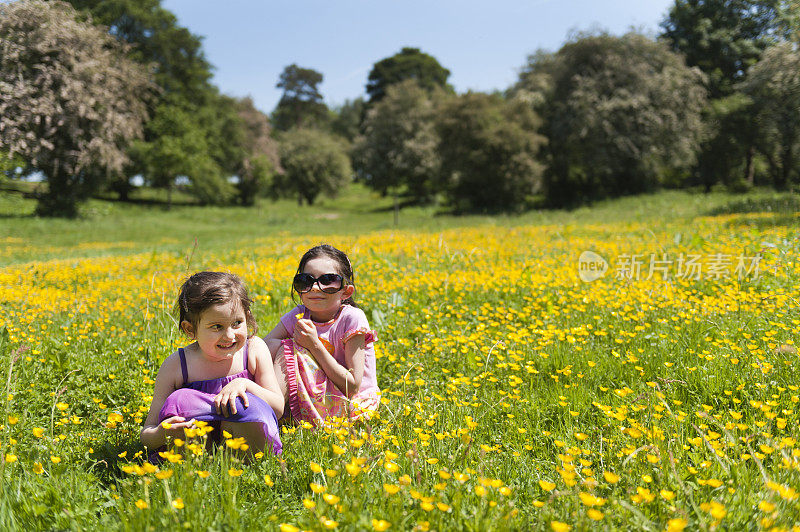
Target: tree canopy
347	118
489	147
261	158
175	53
773	84
71	101
725	37
314	163
399	145
301	104
620	114
195	129
409	63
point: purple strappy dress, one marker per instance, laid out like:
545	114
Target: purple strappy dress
195	400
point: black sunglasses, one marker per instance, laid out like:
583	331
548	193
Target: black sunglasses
330	283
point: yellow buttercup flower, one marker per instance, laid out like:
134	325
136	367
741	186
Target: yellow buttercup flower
379	525
677	524
329	523
546	486
330	498
766	506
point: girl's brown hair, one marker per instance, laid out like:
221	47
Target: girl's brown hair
206	289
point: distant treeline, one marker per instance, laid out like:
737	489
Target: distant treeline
96	93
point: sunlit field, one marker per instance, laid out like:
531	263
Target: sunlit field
661	395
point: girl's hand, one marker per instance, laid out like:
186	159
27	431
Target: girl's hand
225	401
176	426
305	334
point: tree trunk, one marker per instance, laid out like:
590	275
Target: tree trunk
786	167
61	198
396	209
750	167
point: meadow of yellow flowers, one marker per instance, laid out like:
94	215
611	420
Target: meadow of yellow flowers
661	395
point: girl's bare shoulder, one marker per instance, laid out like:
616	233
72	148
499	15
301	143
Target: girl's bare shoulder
257	351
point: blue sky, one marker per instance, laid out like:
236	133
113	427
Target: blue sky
482	43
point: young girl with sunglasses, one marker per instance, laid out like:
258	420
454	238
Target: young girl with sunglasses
225	377
323	352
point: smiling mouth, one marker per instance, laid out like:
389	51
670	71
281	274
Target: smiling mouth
226	346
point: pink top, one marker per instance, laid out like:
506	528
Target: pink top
349	322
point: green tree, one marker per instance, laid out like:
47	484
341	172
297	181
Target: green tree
314	163
489	147
180	66
621	114
409	63
725	37
301	104
397	151
183	75
347	118
181	149
261	159
71	101
10	165
773	84
728	151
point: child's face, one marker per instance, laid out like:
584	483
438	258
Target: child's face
323	306
221	330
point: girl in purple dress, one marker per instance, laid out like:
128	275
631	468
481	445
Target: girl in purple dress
225	377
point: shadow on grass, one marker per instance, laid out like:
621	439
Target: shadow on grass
11	216
788	205
770	212
402	204
766	222
152	202
107	459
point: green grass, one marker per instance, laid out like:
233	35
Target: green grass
107	226
511	387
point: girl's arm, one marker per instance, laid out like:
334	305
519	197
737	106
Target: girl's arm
153	434
264	386
278	333
348	377
274	339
